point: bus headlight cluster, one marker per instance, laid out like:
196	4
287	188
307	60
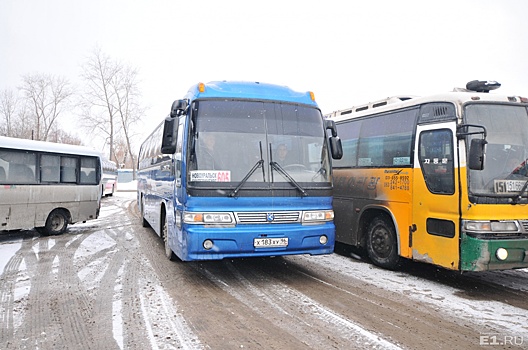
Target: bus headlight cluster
318	216
208	218
491	226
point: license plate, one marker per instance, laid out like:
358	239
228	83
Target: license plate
508	186
270	242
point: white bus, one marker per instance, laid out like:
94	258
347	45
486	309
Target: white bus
109	177
47	185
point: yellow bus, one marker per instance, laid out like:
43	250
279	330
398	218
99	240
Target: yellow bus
439	179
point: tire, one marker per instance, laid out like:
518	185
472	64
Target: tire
382	245
56	223
144	222
165	235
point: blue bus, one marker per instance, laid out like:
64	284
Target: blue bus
240	169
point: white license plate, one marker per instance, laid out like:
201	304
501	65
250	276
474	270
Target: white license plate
270	242
508	186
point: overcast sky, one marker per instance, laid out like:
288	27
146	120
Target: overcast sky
346	52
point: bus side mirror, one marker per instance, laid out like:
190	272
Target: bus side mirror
170	131
330	124
477	153
336	148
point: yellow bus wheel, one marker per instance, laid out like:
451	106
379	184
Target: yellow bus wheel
382	245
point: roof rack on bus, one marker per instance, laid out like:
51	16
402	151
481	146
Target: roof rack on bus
370	105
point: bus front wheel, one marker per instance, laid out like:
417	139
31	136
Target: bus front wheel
165	233
56	223
144	222
382	245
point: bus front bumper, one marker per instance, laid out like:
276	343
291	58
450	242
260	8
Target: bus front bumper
213	243
477	254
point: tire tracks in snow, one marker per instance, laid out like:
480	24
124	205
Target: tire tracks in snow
89	288
305	319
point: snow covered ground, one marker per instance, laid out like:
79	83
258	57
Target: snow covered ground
115	254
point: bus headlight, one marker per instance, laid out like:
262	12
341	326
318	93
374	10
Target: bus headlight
208	218
491	226
317	216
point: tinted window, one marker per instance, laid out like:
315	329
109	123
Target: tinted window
69	169
18	166
49	168
88	171
380	141
349	134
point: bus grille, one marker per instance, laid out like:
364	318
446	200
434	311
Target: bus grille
524	224
281	217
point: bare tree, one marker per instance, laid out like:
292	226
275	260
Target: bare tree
48	96
121	152
8	107
58	135
111	102
128	108
23	123
97	101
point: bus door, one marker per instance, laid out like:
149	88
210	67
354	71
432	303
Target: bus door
435	224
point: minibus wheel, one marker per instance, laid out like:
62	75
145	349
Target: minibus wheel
56	223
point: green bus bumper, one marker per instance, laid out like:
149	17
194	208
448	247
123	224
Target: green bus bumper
477	254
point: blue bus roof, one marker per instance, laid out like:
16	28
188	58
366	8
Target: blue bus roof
250	90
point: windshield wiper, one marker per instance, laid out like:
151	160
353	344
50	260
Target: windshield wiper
276	166
258	164
516	199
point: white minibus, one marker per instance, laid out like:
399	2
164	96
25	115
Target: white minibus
47	185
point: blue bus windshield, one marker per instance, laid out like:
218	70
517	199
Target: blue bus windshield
231	137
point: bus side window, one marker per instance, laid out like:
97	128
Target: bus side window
21	173
21	166
68	170
3	176
88	172
49	168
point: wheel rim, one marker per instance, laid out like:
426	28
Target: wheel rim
57	222
381	242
